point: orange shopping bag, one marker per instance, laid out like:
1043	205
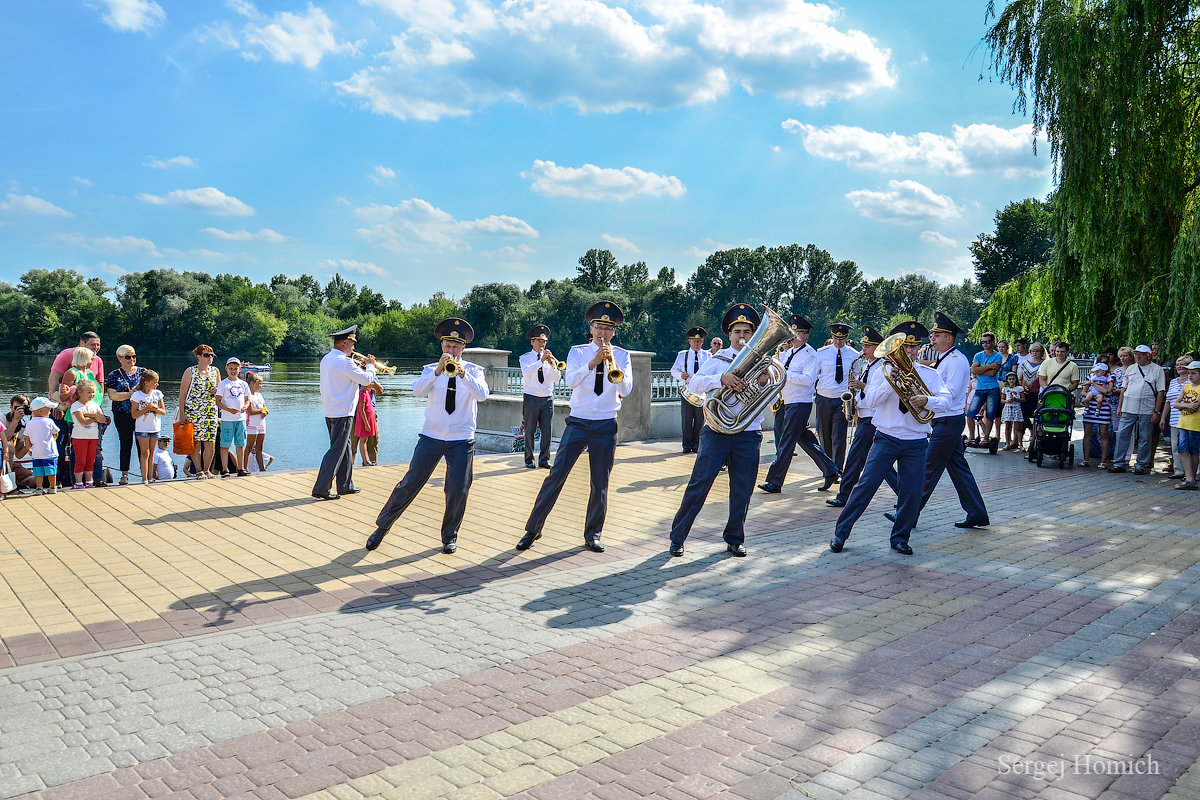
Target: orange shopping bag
183	442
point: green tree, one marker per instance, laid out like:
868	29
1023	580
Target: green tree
1022	241
598	271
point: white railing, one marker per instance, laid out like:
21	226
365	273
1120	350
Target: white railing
663	387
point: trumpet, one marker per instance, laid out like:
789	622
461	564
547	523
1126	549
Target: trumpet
615	375
452	368
561	366
380	366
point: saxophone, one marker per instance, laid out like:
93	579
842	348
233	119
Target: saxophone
849	398
903	376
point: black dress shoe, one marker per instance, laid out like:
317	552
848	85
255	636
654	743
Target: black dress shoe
595	545
376	538
351	490
973	523
829	481
676	549
902	548
527	540
737	549
450	546
769	489
530	465
890	515
327	496
836	544
543	466
836	502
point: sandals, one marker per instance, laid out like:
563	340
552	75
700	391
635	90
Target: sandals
1084	464
1186	485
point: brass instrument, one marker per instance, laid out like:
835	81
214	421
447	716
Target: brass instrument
380	366
903	376
753	360
615	375
451	369
561	366
850	398
778	404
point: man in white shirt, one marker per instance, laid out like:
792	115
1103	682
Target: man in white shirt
340	379
453	389
738	450
688	363
539	370
791	421
595	401
900	439
833	378
1140	407
864	430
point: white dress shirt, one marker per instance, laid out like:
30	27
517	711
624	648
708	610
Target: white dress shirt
869	368
340	379
708	379
955	372
801	374
585	403
530	363
686	362
887	416
470	388
827	384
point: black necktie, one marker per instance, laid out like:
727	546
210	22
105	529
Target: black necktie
541	375
789	361
599	379
451	389
866	374
695	363
903	408
838	374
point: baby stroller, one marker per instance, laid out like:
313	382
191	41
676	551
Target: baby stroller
1052	424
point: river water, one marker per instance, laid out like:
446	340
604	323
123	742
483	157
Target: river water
296	433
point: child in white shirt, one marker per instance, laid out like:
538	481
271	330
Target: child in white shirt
41	432
85	434
233	398
256	421
147	408
164	468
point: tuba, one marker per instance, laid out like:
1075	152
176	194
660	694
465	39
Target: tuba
903	376
754	359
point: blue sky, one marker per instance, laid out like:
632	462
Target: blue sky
429	145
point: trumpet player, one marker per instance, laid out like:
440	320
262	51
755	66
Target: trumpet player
864	432
453	389
900	439
802	364
738	450
599	376
836	358
539	369
340	379
688	363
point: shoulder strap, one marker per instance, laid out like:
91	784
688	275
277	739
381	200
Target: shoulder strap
1059	371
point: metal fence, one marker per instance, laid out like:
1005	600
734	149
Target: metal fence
663	387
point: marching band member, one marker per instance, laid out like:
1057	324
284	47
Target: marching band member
801	364
540	371
946	453
739	450
687	364
340	379
595	401
864	431
832	378
449	432
899	439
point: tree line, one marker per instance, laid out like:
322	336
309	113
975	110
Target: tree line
167	312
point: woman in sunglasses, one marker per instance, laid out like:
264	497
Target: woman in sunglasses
198	405
120	384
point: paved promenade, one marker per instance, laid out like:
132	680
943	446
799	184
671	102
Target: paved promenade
224	639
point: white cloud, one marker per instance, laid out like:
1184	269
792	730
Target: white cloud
904	202
111	269
130	15
456	56
953	271
350	265
620	243
933	237
169	163
418	223
511	253
207	199
264	235
245	8
969	150
28	204
305	38
112	245
82	181
210	255
382	175
590	182
702	253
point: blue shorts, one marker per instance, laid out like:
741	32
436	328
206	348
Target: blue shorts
1189	442
45	467
992	396
233	434
146	435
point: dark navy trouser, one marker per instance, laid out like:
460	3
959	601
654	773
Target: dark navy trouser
856	459
599	436
338	461
909	457
831	428
796	432
946	454
537	413
740	451
460	459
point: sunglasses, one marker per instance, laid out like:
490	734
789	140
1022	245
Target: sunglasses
131	355
207	355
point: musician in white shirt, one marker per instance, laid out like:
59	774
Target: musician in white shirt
539	370
340	379
832	382
864	429
688	363
595	401
900	439
451	408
